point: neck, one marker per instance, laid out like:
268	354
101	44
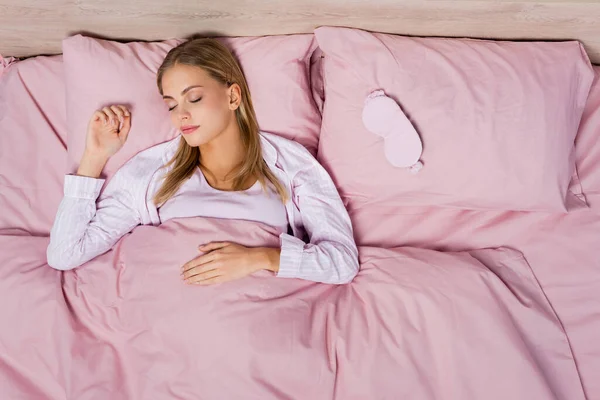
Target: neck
224	153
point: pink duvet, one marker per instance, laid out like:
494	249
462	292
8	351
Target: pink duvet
418	324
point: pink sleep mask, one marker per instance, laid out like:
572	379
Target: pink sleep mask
402	144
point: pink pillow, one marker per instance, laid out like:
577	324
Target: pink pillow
33	130
497	120
587	145
101	72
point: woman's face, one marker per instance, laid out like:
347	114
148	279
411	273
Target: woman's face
201	107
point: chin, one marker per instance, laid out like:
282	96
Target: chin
196	139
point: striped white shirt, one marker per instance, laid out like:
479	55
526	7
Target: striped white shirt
87	225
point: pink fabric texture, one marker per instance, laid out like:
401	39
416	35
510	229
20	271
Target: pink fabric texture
414	323
497	119
562	249
397	311
32	144
5	62
101	72
317	86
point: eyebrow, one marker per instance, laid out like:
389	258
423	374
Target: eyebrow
187	89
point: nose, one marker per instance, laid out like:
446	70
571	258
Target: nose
184	115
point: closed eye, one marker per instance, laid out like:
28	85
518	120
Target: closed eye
191	101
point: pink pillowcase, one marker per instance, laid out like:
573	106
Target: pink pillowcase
101	72
497	120
32	144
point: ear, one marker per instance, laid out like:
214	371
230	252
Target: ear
235	96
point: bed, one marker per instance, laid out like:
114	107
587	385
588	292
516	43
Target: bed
450	303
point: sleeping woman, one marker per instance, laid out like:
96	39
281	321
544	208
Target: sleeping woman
221	166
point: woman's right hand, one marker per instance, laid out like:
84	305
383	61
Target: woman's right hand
107	131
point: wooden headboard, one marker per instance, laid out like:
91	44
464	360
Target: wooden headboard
32	27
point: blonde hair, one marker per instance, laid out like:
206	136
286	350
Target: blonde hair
214	58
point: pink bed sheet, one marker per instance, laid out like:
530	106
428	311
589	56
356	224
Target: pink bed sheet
32	143
415	323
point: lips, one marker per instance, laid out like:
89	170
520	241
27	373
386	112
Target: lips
189	129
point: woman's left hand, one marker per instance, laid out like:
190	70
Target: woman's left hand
226	261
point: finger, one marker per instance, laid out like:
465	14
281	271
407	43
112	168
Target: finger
98	115
198	262
212	281
119	113
125	110
211	266
112	117
213	263
213	246
124	131
125	123
204	276
198	269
